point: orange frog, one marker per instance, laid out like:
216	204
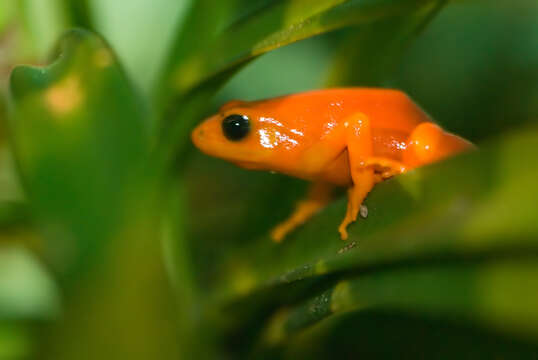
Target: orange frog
352	137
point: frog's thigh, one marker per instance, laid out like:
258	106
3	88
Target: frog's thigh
318	196
360	149
320	155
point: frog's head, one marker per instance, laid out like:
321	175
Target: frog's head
240	134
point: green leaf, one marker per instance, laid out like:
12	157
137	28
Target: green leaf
495	293
278	25
385	334
482	210
80	136
415	242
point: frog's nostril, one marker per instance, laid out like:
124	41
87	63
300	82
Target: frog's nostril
199	134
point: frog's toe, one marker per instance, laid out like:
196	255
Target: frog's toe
343	232
279	232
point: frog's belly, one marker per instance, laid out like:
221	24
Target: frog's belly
338	171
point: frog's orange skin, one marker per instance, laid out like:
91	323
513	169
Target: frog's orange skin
354	137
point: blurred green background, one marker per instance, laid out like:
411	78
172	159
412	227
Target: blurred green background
118	239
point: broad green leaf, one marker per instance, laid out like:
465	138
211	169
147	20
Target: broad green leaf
80	137
498	294
279	24
392	335
81	134
467	253
487	211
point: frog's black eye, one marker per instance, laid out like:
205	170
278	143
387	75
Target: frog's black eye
235	127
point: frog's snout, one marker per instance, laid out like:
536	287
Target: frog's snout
197	136
206	136
198	133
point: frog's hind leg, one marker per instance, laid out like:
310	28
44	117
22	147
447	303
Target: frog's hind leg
360	150
429	143
319	195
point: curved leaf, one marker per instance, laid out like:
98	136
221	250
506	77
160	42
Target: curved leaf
485	293
80	137
280	24
483	213
466	254
390	335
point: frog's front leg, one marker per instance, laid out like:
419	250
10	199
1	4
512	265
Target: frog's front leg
360	149
314	161
318	196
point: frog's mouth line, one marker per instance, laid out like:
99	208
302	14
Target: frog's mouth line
249	165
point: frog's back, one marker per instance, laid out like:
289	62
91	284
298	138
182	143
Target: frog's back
392	114
323	109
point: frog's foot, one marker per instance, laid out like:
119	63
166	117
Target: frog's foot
304	210
318	196
356	194
385	167
350	217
